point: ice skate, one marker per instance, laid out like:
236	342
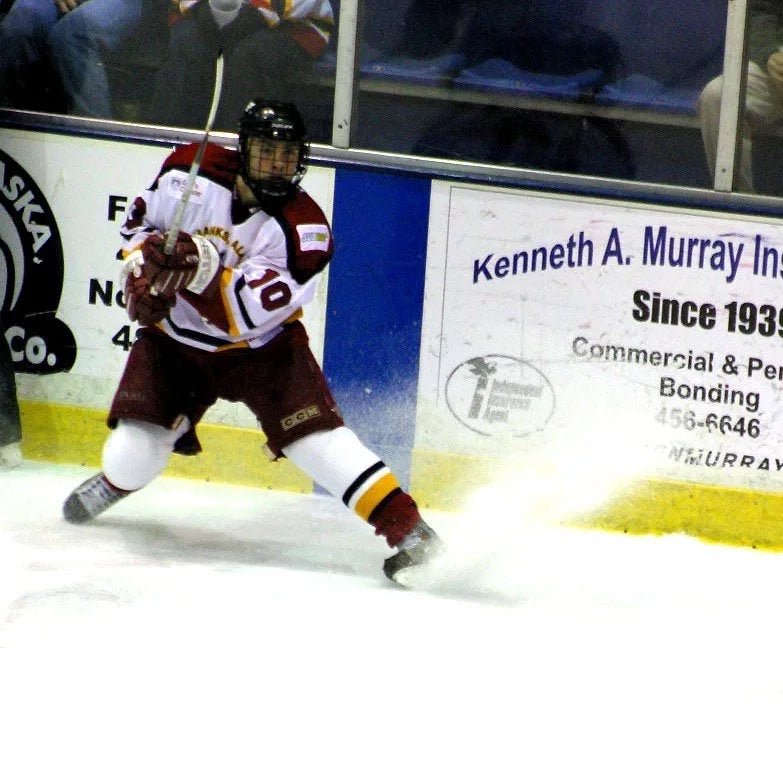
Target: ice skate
91	498
414	554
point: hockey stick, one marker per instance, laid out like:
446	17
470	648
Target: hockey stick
190	183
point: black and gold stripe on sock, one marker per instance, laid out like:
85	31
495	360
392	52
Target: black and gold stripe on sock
371	488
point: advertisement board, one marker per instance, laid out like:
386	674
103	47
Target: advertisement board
564	332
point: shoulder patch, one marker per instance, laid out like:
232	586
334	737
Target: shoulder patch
313	237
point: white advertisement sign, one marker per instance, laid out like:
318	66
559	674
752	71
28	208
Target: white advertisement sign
63	201
557	329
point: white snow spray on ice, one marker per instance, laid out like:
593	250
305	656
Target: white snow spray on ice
494	538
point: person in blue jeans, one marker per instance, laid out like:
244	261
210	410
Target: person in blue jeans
74	36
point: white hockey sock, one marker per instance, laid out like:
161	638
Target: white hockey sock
136	452
342	465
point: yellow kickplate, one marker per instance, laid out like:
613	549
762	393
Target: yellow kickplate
727	515
67	434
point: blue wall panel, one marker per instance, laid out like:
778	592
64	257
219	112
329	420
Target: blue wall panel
374	310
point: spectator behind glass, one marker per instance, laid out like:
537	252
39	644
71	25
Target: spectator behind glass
72	37
764	88
266	51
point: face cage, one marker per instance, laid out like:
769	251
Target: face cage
271	187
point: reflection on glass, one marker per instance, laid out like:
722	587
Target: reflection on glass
605	88
608	87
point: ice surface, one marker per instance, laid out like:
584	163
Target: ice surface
197	621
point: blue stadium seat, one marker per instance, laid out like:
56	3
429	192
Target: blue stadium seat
640	91
500	76
437	70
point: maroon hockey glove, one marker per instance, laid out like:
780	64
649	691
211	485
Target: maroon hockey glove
168	275
141	304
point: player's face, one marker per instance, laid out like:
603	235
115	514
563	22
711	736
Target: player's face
276	159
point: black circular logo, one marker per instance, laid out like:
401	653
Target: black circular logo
31	275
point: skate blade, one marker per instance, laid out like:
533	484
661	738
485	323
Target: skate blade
411	577
426	576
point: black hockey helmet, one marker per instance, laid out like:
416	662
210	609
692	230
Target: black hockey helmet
274	120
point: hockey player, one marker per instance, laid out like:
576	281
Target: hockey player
220	319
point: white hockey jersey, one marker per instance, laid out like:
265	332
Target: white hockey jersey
270	258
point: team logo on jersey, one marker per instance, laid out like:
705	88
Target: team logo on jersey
31	275
313	237
178	184
497	395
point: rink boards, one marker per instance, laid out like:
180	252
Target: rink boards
615	364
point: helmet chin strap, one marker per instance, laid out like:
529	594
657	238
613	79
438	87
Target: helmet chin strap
253	192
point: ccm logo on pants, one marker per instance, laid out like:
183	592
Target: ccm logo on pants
300	416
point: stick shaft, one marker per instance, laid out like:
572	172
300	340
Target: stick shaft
190	183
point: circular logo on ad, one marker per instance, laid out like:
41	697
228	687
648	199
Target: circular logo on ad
31	275
498	395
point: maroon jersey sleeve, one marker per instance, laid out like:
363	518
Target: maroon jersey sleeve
308	237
